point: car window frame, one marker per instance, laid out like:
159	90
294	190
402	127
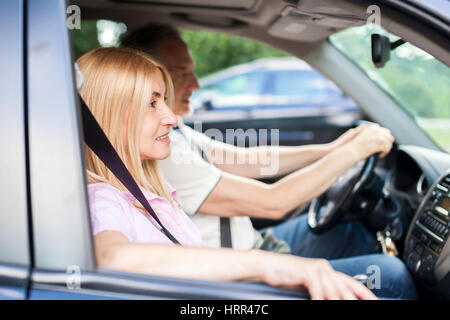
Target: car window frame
15	256
56	274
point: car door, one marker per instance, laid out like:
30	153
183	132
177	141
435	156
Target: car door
15	257
64	265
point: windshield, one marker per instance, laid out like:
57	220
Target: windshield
416	80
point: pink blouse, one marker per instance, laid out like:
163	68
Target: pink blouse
112	209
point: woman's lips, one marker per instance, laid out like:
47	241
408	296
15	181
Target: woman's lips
163	138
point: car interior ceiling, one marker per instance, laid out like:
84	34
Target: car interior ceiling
312	21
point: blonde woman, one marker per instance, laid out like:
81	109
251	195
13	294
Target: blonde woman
130	94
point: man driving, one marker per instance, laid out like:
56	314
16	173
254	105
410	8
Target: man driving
221	196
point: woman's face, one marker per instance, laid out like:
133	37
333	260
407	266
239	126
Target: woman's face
158	118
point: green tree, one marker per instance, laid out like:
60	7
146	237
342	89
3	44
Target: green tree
86	38
213	52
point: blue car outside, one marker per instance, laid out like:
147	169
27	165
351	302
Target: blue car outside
268	88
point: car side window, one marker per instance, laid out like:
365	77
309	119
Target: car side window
240	90
251	83
303	84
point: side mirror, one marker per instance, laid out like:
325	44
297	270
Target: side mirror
381	49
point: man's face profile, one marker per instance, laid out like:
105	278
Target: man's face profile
174	55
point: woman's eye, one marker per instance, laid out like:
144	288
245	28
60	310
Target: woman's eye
153	103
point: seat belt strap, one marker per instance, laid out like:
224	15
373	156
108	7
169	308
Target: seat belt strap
225	233
98	142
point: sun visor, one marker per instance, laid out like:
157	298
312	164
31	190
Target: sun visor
295	24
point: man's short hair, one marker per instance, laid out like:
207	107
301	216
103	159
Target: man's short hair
147	38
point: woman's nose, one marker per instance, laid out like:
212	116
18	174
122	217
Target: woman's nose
168	117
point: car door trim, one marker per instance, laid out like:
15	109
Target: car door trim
120	284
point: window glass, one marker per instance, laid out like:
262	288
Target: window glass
236	91
254	80
251	83
307	84
95	33
417	81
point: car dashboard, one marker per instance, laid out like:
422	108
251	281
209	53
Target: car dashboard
420	179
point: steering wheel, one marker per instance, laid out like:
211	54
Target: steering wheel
331	207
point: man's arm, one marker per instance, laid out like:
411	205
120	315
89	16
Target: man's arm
270	161
240	196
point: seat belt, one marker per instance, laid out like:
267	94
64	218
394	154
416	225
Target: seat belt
98	142
225	228
225	233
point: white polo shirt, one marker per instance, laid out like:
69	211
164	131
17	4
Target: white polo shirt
193	177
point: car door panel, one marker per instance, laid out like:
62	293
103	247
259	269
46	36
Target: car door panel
13	282
108	284
14	238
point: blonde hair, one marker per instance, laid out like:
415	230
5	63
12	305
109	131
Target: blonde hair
118	81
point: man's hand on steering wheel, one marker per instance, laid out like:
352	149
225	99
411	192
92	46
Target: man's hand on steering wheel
371	141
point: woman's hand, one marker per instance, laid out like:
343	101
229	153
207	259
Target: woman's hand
114	251
371	139
316	275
